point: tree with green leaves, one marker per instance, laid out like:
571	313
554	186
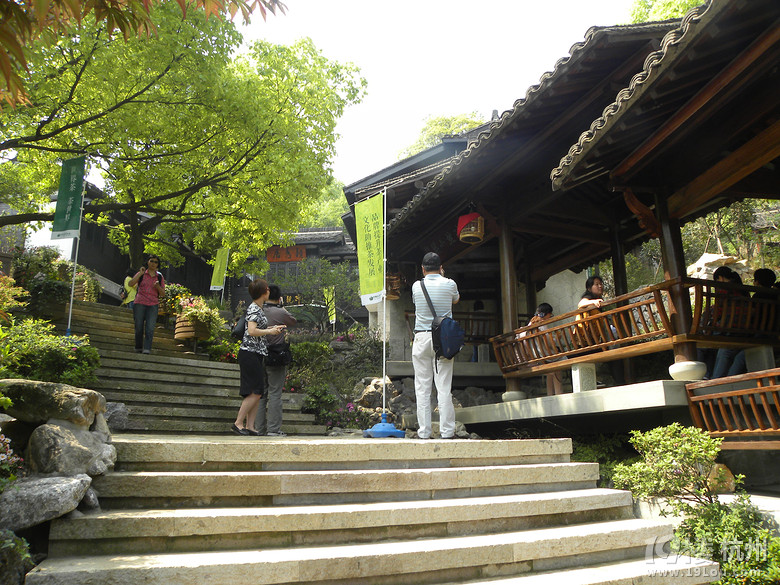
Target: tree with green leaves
24	22
326	211
651	10
438	127
309	281
198	151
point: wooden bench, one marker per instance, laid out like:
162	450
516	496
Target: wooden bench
638	323
747	417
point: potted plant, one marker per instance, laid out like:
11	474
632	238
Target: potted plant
170	303
87	287
197	320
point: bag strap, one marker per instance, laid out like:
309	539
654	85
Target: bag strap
428	298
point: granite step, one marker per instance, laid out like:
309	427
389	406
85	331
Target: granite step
418	561
166	489
199	425
205	453
188	530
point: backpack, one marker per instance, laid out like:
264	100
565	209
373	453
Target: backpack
238	329
446	334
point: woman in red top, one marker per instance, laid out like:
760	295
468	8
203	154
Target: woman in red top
151	286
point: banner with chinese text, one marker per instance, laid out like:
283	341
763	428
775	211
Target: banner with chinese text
369	216
67	215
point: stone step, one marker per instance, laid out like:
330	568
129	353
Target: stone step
227	398
166	489
188	530
418	561
224	415
667	570
207	453
159	378
142	360
201	426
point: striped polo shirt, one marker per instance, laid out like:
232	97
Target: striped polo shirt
443	292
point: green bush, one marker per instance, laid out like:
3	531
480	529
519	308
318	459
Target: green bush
676	463
33	351
606	450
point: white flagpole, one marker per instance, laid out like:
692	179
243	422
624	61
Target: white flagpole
384	298
75	261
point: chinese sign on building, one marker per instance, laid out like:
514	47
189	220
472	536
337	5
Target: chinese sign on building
287	254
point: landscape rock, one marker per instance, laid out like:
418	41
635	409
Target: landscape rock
89	501
117	416
37	402
33	500
57	449
13	562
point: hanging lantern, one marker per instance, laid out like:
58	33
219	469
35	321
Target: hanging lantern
393	286
471	228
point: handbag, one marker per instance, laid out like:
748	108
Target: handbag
279	354
239	328
446	333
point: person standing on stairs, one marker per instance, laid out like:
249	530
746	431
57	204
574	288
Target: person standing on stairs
150	288
129	290
428	369
269	412
251	358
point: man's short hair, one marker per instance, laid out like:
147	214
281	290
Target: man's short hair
274	292
431	261
764	277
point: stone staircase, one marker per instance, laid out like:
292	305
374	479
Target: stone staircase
173	390
246	510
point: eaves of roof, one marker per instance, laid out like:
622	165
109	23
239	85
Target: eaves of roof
672	46
496	128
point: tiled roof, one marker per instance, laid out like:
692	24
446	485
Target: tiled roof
653	65
509	117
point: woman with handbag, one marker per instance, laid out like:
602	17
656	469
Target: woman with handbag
269	412
251	358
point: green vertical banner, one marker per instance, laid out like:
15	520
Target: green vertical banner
329	292
220	269
67	215
369	215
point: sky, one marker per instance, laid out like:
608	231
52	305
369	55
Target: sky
432	58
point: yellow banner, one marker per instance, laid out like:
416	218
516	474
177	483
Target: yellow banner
220	269
369	216
330	301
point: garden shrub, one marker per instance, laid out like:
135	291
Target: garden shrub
33	351
606	450
676	463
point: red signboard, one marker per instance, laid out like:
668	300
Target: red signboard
287	254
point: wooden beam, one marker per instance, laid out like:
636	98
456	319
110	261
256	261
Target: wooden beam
751	156
562	230
700	106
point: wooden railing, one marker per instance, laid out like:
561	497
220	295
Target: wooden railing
639	323
748	418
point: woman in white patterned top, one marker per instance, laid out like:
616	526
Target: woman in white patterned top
251	356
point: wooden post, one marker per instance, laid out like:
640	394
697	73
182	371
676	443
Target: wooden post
674	266
506	261
621	286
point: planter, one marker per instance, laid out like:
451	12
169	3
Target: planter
186	330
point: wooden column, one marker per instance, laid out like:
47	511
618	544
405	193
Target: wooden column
506	262
674	266
530	289
618	262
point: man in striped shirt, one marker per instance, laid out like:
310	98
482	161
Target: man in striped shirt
444	294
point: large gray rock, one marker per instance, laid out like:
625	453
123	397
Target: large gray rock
37	402
33	500
117	416
57	449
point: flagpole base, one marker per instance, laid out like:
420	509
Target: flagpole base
384	429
